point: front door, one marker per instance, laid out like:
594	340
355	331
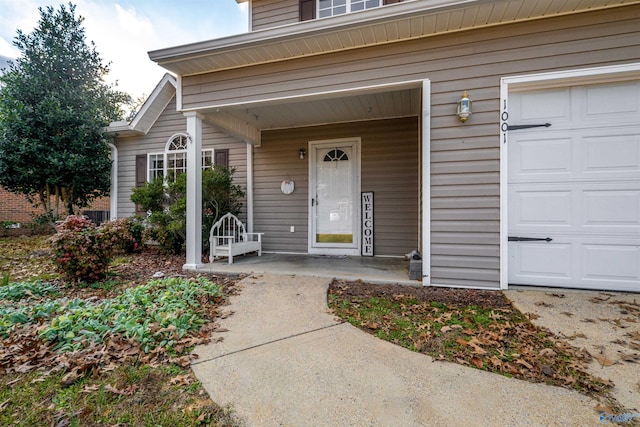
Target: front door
334	208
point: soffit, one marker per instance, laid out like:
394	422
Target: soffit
374	105
387	24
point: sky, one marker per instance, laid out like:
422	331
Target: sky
125	30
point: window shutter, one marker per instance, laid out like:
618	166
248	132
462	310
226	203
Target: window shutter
141	176
222	158
141	170
391	1
307	10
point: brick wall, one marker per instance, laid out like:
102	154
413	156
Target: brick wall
14	207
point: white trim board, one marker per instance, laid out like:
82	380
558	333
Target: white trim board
425	183
606	74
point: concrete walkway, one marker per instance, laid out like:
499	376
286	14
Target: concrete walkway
286	361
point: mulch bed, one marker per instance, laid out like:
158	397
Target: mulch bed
492	299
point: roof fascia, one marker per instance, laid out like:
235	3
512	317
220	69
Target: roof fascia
312	27
151	100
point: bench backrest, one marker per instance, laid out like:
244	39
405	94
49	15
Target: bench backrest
227	226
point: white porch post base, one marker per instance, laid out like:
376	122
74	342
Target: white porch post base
194	192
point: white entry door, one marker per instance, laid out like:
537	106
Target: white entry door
334	208
574	187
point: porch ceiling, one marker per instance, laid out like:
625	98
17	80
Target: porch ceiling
392	23
381	103
246	121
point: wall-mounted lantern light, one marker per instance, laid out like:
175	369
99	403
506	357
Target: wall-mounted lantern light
303	153
464	107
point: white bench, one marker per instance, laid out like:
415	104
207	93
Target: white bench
229	238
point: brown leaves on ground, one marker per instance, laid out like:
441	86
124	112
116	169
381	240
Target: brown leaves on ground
471	327
23	351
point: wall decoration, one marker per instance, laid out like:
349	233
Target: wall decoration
287	186
367	224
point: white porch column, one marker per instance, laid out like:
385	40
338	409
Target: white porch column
426	183
113	193
249	188
194	191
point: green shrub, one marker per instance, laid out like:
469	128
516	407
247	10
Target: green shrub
167	205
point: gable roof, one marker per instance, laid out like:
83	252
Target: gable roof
387	24
150	110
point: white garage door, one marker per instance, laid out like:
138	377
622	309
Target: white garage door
577	183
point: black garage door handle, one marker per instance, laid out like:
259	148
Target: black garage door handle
529	239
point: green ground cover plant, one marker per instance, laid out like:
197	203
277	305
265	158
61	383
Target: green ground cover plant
111	352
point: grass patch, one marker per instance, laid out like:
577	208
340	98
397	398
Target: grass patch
132	395
497	339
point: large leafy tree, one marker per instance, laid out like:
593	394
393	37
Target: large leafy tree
54	105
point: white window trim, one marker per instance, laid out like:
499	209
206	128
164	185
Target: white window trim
165	161
149	179
348	4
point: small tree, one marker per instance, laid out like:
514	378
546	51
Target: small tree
54	106
167	204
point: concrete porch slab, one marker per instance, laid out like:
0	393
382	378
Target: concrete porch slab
376	270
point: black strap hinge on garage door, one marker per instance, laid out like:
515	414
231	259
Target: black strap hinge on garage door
518	127
529	239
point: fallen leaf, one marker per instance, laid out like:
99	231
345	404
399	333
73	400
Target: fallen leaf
477	362
604	408
574	336
4	404
70	378
14	381
603	360
544	304
524	363
495	362
556	295
547	352
90	388
630	357
126	392
547	370
181	380
635	335
462	342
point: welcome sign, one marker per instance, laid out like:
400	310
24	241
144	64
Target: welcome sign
367	224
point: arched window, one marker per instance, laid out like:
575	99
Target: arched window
176	156
335	155
173	161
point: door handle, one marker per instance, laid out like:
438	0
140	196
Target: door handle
529	239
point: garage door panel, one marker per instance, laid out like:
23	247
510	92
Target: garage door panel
541	263
611	155
549	105
542	156
541	208
613	209
611	262
618	102
577	183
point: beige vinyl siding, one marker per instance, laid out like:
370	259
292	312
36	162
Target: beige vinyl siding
465	157
273	13
389	168
169	123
